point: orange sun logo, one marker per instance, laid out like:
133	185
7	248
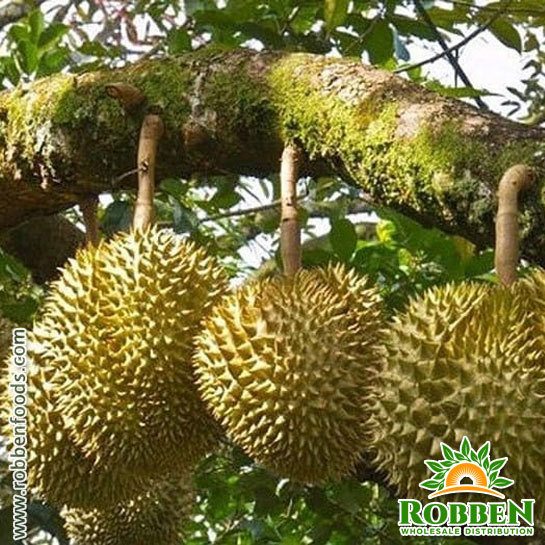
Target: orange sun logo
466	463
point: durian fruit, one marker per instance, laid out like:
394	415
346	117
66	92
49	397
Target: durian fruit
462	361
114	343
465	360
58	472
285	365
153	517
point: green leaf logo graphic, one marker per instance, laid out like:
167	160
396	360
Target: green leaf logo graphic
449	473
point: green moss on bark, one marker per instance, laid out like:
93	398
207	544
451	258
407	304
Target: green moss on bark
438	170
230	111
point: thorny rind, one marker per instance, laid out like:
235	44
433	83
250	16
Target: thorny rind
433	158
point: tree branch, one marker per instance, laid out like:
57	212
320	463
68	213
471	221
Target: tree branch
43	245
12	12
435	159
448	53
314	209
454	48
501	11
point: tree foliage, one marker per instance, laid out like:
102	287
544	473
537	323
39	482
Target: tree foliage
238	502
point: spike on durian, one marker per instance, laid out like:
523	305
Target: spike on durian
315	337
116	339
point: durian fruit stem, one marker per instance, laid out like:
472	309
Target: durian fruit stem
89	207
150	133
129	97
290	232
515	180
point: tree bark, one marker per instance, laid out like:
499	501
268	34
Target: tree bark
433	158
17	9
43	245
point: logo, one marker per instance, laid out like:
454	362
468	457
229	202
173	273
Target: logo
466	471
449	473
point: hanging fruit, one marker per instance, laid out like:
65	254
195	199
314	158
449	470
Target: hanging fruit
156	516
468	360
286	364
114	399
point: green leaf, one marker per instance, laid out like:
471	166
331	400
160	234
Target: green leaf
379	43
312	258
460	457
474	457
434	466
411	27
259	32
93	49
9	68
385	230
484	451
52	35
321	534
448	463
191	6
502	482
335	12
178	41
52	62
19	310
19	33
343	238
267	503
117	217
318	502
351	495
28	56
507	34
184	219
496	465
448	453
36	24
493	476
173	186
465	447
225	200
431	484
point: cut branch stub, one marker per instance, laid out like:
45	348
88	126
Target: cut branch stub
150	133
517	179
89	207
290	233
129	96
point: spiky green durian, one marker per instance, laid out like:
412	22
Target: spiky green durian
463	360
115	340
154	517
284	364
58	471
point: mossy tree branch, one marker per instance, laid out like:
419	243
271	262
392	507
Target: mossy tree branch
433	158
